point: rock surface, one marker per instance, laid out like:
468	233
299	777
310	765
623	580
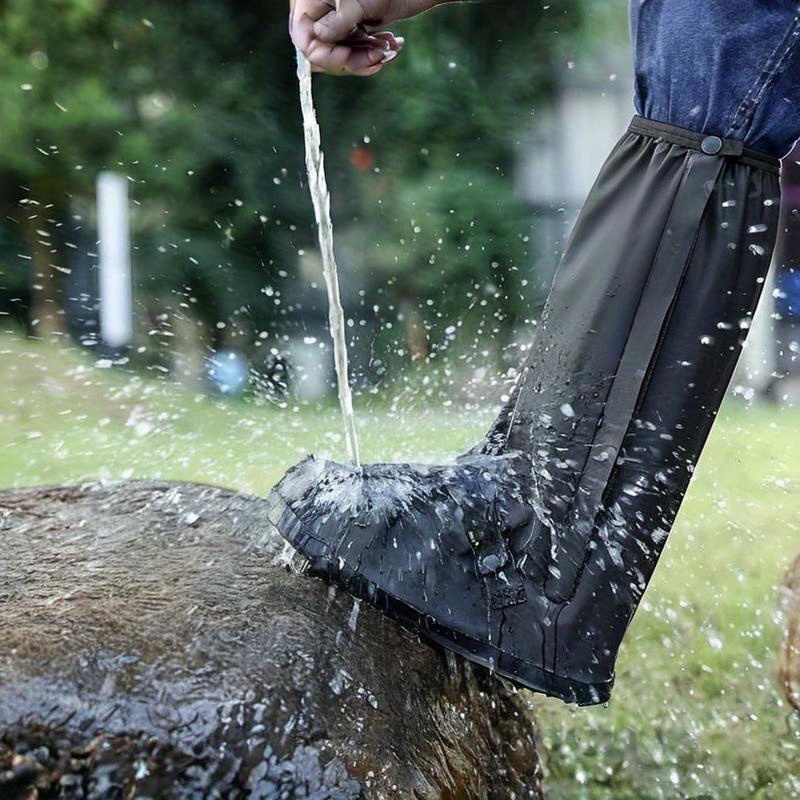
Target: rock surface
789	660
153	645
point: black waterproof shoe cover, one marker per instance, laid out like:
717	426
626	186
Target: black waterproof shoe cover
446	550
530	554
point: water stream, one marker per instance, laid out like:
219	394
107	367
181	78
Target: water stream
320	197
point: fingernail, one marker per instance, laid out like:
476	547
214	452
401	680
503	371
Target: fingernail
391	41
388	56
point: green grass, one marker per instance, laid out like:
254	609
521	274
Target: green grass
696	712
64	418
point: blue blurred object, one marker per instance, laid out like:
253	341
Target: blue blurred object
228	371
787	294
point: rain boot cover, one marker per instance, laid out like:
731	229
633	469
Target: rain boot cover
640	337
530	553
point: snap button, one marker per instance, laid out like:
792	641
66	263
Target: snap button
711	145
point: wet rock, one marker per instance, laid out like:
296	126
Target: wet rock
789	661
153	645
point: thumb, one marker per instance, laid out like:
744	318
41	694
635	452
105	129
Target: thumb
338	24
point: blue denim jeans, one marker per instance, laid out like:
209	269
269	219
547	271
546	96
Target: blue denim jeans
725	67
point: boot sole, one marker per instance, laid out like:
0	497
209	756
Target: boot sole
518	671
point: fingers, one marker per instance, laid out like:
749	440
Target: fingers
342	21
381	40
358	53
361	59
341	59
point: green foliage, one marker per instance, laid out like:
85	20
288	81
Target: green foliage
436	216
196	103
174	95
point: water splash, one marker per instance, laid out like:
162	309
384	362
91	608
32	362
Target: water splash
321	199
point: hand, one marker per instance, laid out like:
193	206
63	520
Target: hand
337	36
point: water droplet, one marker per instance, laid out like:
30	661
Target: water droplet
353	619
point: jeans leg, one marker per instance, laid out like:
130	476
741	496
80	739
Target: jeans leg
724	67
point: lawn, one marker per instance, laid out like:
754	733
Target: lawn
696	712
64	418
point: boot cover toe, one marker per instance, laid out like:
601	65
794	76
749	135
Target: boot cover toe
454	552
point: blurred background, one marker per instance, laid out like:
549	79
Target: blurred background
162	311
455	177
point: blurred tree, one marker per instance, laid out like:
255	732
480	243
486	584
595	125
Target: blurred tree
196	103
437	229
34	190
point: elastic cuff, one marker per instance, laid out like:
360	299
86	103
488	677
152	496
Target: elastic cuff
709	144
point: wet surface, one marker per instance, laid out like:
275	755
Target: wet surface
789	661
152	643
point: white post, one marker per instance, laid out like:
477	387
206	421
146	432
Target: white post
114	250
